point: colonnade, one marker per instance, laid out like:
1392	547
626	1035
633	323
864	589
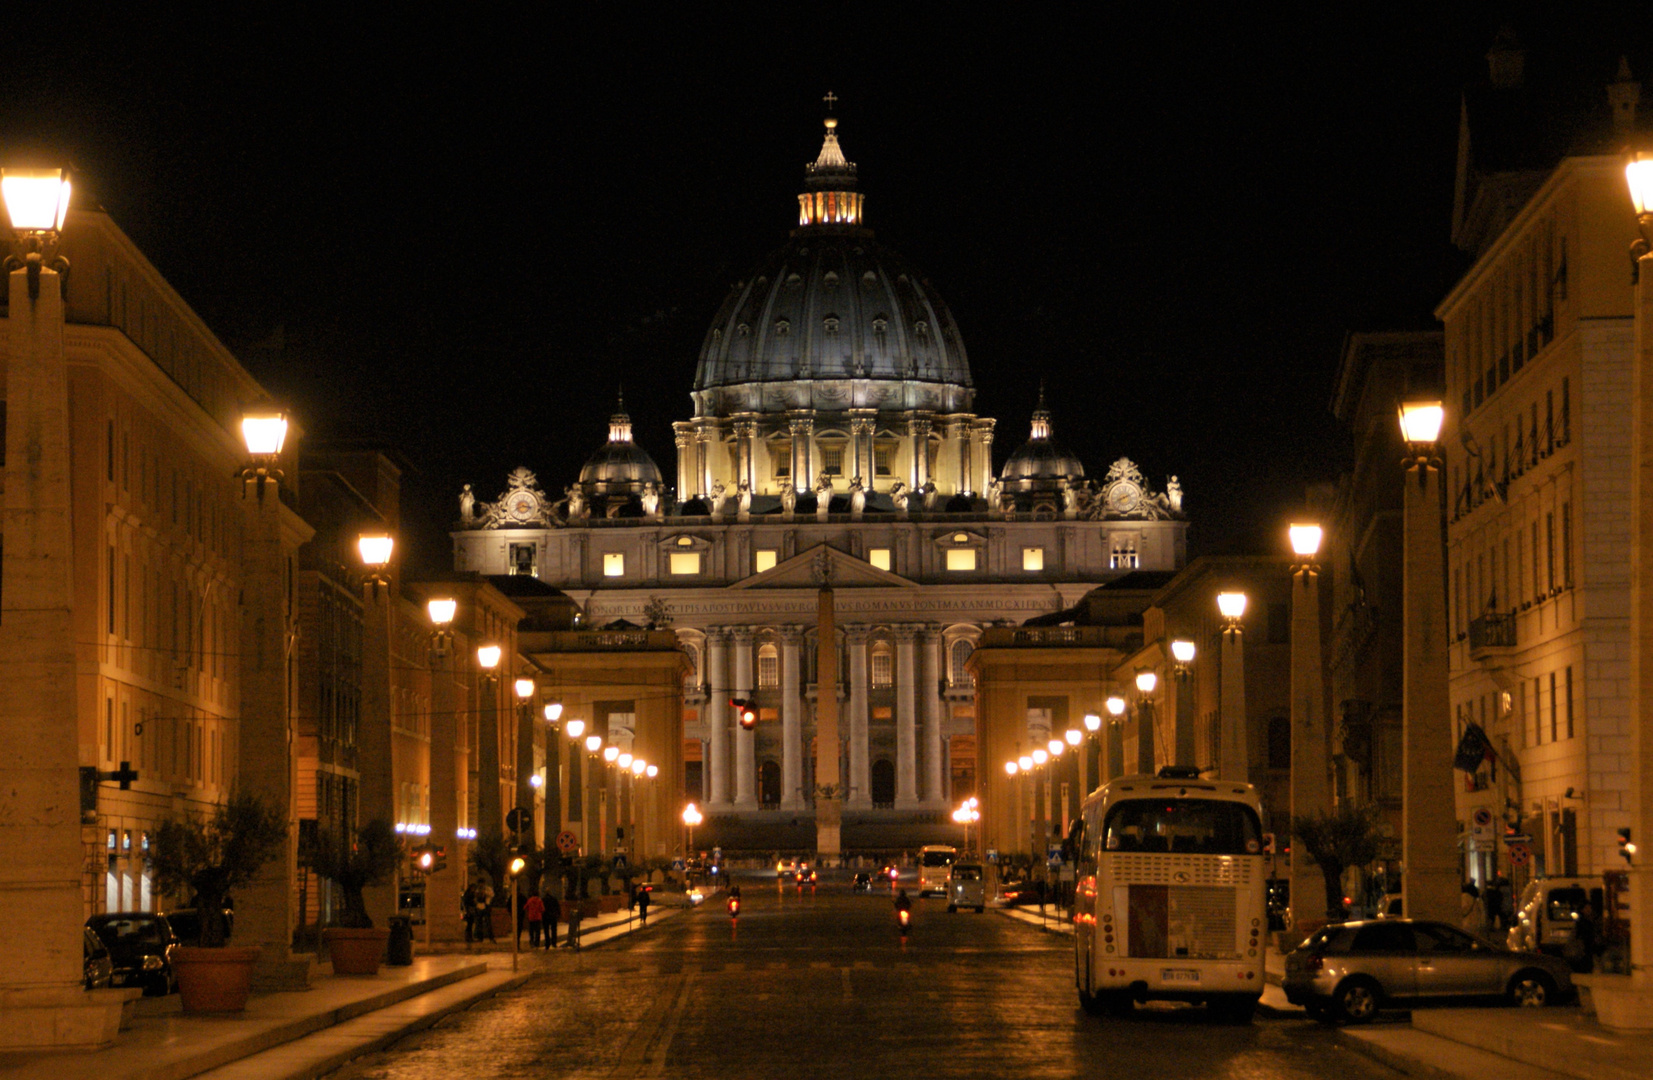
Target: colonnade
919	712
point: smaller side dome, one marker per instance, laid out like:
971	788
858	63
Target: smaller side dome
620	466
1040	459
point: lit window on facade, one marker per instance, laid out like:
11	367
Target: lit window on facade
763	559
769	667
614	564
522	560
879	557
961	559
961	651
1033	558
780	459
883	667
684	563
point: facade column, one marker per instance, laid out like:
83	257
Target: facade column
717	718
906	748
860	780
861	436
929	690
982	430
740	641
686	486
791	720
706	440
802	426
918	442
746	436
958	434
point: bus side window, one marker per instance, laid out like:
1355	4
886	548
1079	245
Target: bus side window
1073	849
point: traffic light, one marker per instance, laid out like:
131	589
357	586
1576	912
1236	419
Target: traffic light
745	714
1626	847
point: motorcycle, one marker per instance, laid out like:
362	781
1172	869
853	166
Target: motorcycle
734	907
904	920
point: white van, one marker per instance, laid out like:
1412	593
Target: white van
967	887
1548	910
935	862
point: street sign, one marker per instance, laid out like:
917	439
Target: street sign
678	864
520	819
1518	838
567	842
717	854
619	862
1519	854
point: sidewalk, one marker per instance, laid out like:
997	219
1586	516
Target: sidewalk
1050	920
305	1034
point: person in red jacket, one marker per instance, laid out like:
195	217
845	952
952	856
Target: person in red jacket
534	909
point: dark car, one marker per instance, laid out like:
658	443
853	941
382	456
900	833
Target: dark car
138	942
99	968
862	882
1351	970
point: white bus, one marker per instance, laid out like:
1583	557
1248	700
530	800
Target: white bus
935	866
1169	895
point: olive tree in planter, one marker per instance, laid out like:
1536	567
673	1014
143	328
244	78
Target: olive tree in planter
355	944
1338	840
209	858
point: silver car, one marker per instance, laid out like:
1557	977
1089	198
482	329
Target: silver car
1350	970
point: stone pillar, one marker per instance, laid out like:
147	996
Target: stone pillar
1233	758
828	782
906	748
861	434
860	778
442	890
960	432
802	426
746	435
42	1004
1145	734
929	690
1310	750
1183	750
1431	874
1112	763
717	718
376	763
918	442
745	741
687	487
706	442
791	720
1640	801
982	430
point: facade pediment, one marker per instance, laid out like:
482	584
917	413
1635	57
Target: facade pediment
820	565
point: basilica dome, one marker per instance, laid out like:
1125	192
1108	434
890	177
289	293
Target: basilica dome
832	320
620	466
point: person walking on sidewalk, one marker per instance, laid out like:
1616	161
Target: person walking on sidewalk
574	926
535	910
552	909
1474	914
485	913
467	909
643	904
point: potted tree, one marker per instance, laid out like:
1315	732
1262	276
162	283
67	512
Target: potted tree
1336	840
355	944
208	859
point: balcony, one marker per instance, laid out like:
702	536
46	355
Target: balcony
1493	630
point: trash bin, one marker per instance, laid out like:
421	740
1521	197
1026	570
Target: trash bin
400	949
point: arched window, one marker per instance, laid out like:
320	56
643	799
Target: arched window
1279	743
883	783
769	782
883	666
692	676
962	648
769	667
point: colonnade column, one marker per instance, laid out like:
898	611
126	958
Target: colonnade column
746	433
959	432
982	431
861	436
745	741
906	748
860	781
803	430
918	432
717	717
791	720
705	438
684	434
929	689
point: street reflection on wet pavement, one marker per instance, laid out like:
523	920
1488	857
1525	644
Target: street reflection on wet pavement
818	984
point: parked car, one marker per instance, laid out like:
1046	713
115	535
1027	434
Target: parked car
99	968
139	944
1351	970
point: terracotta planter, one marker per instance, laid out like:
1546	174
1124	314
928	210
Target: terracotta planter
608	905
590	909
214	980
356	950
502	922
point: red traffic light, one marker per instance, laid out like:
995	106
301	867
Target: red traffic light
745	714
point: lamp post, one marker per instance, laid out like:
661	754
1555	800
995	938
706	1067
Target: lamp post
448	777
691	817
1113	742
1429	841
607	798
375	753
1024	832
1639	175
553	773
1090	760
1041	803
1310	751
525	689
1232	757
1182	746
593	752
490	815
1146	681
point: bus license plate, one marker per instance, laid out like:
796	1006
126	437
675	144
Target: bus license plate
1179	975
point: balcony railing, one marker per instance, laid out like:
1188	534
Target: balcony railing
1493	630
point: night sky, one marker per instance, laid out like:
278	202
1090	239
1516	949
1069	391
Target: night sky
469	228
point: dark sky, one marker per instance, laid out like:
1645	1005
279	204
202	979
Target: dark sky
472	225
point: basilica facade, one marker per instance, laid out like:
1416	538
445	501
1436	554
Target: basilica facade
834	441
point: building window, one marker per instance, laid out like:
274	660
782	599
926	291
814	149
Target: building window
883	783
1555	713
883	458
522	560
879	557
614	564
1567	545
1279	742
685	563
1123	555
1549	550
780	460
883	667
763	559
769	783
962	649
1569	701
832	459
692	677
769	667
1033	558
960	559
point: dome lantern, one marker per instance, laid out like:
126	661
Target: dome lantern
829	196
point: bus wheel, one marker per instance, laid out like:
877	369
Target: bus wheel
1091	1003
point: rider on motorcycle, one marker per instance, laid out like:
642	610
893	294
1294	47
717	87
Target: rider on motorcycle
901	901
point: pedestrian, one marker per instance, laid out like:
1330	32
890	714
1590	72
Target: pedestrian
1492	901
485	913
535	910
1473	913
643	905
467	909
552	907
574	926
1580	950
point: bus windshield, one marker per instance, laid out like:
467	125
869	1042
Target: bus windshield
1191	826
938	858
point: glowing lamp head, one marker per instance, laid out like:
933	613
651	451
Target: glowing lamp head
610	753
652	771
1305	540
1011	768
1040	757
427	860
1025	761
375	549
524	688
1182	651
1420	422
692	815
1056	746
1116	706
1073	735
536	780
639	766
1640	175
37	200
553	712
576	728
1231	605
1093	722
972	802
487	656
442	611
518	865
622	759
264	431
593	743
1146	681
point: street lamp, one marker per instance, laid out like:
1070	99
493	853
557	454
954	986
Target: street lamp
1146	682
553	714
37	202
487	657
611	754
524	687
593	744
375	549
575	728
1232	758
264	431
1310	750
442	610
691	817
